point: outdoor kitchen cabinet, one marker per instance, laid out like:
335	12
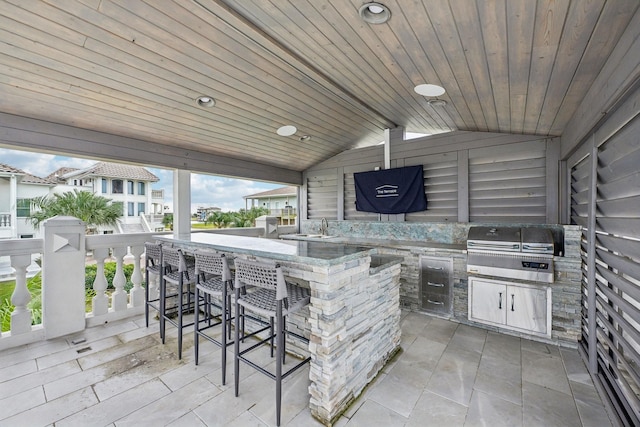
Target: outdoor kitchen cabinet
436	284
517	306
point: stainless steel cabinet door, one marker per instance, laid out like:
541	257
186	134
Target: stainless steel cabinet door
527	308
488	301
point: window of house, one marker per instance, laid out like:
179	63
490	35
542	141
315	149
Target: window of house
116	186
75	182
104	186
141	208
23	208
130	209
129	187
141	188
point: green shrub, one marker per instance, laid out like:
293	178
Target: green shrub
109	272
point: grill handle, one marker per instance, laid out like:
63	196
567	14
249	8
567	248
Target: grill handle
435	302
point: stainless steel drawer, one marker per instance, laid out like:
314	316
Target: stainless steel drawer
436	284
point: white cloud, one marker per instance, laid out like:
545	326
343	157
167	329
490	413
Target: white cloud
206	190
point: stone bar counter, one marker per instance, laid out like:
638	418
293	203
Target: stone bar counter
353	321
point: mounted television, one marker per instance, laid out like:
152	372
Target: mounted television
391	191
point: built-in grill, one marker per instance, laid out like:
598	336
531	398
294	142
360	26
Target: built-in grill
519	253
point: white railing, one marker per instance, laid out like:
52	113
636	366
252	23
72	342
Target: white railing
5	220
68	254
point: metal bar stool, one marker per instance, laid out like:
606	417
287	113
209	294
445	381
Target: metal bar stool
153	267
178	273
272	297
213	280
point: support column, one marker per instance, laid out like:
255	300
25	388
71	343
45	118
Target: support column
13	205
63	273
181	204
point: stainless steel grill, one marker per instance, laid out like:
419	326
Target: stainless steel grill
511	252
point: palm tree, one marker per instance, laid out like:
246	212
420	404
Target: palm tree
247	218
94	210
220	219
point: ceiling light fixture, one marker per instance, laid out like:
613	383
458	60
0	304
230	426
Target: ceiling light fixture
374	13
286	130
205	101
437	102
427	89
304	138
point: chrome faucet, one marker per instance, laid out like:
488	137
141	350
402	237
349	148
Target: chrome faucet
324	226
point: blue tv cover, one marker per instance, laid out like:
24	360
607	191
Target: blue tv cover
391	191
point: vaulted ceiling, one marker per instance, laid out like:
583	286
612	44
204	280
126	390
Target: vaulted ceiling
135	69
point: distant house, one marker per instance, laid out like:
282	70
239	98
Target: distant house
128	184
203	212
17	188
131	185
282	203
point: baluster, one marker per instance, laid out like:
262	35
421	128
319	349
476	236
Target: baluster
100	303
119	297
21	316
136	295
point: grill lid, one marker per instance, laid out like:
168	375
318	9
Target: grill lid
537	240
494	238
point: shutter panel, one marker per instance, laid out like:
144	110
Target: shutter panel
321	197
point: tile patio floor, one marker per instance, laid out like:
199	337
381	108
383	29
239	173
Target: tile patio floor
447	375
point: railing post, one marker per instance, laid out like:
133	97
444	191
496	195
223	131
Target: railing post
119	297
21	316
136	294
63	273
100	302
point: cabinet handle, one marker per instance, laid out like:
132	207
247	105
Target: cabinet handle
500	302
435	302
512	301
435	268
437	285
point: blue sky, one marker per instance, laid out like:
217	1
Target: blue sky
206	190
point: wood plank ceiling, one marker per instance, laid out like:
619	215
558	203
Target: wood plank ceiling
135	68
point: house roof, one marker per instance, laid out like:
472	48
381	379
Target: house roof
58	173
26	178
10	169
113	170
276	192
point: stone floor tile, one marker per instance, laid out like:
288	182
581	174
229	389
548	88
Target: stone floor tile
574	365
546	407
190	419
488	410
39	378
295	398
97	348
117	407
454	377
545	370
500	378
55	410
21	402
172	406
439	330
17	370
372	414
590	408
501	346
540	347
434	410
423	353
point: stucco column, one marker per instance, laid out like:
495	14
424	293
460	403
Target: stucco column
63	273
181	204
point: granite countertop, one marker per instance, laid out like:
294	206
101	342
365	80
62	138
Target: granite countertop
390	243
308	251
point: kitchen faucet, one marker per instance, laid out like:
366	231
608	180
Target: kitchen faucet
324	226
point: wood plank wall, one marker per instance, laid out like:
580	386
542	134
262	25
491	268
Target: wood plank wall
469	177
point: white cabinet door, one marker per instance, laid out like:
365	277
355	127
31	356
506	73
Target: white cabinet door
527	308
488	301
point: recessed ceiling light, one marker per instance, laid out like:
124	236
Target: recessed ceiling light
437	102
286	130
305	138
374	13
429	90
205	101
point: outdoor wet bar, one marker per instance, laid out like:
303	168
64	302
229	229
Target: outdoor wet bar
353	321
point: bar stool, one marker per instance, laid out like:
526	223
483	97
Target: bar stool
213	280
272	297
152	266
178	273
